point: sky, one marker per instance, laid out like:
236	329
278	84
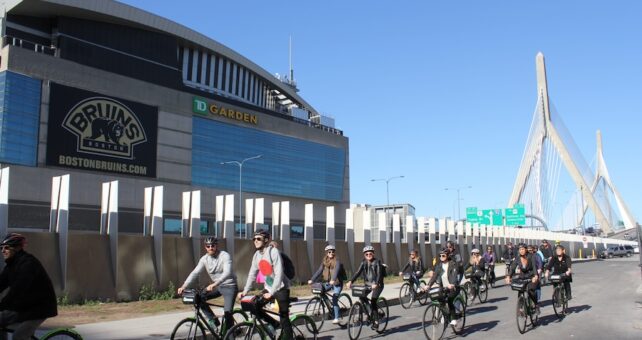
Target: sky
443	92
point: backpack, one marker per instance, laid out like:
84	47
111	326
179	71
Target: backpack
288	266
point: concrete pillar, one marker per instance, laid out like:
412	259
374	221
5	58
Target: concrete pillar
475	235
461	239
308	230
432	237
442	232
112	229
276	217
367	228
195	224
383	236
285	226
156	231
451	230
185	211
410	232
469	235
219	208
329	225
248	220
482	236
396	235
4	203
421	237
259	214
228	224
349	236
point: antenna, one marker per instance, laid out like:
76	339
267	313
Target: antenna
290	57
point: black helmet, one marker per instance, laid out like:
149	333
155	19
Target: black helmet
211	240
443	251
14	239
263	233
559	245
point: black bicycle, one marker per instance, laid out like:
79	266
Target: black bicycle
320	307
526	309
560	300
195	327
490	271
508	262
361	313
58	333
475	289
264	326
437	315
409	293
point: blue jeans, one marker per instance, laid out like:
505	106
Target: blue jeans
335	297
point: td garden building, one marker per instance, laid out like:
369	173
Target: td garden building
103	91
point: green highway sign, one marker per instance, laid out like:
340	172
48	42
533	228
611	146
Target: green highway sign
491	217
472	215
516	215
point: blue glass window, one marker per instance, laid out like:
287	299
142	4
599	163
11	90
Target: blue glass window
289	166
19	118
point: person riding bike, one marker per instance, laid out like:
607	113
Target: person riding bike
31	297
539	264
525	269
455	256
561	264
509	253
277	286
414	267
446	273
329	271
489	257
218	265
476	265
371	270
546	250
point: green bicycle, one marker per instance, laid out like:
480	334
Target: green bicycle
525	306
437	315
54	334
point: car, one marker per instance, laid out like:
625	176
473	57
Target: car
620	251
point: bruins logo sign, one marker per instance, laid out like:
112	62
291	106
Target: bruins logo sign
104	126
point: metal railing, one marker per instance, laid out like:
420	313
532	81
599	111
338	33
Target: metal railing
26	44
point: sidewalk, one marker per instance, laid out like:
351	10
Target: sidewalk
161	326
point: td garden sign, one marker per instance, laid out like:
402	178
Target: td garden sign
202	107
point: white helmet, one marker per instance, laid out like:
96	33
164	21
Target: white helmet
368	248
330	247
475	251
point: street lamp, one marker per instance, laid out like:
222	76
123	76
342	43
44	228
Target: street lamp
458	189
387	180
240	165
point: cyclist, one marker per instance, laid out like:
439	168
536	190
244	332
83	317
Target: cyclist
539	264
489	257
509	253
524	267
329	271
218	265
414	267
454	255
476	265
31	298
561	264
446	272
371	270
277	286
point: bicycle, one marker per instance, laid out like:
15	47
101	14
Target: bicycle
508	262
263	327
408	293
196	326
490	270
543	280
58	333
437	315
320	306
525	306
560	300
361	313
475	289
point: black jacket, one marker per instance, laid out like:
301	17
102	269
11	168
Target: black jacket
31	293
510	254
453	273
414	267
557	266
481	267
372	272
547	252
526	272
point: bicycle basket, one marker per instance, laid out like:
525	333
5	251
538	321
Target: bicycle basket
519	286
468	275
360	291
250	304
317	288
189	296
406	277
436	293
556	278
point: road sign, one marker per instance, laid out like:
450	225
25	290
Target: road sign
472	215
516	215
491	217
585	241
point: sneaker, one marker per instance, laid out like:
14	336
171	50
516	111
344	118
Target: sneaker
453	323
335	321
569	297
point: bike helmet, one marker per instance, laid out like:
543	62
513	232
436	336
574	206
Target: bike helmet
475	251
263	233
330	247
443	251
559	245
14	239
368	248
211	240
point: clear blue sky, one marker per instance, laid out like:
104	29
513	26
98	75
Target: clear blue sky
443	92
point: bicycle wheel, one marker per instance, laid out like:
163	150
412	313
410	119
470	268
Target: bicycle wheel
6	331
434	322
345	302
355	320
533	315
422	294
564	301
383	313
405	295
244	330
469	289
187	329
303	327
483	292
316	310
460	314
557	303
521	314
62	334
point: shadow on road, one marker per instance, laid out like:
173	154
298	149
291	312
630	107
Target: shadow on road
497	299
477	310
547	319
578	309
479	327
415	326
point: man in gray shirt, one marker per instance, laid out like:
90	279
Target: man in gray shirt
218	265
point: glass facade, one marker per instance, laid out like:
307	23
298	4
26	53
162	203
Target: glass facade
288	166
19	118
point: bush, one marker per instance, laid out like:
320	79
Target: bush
149	292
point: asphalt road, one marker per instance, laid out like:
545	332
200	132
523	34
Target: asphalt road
607	304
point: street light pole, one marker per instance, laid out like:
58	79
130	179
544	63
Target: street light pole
387	180
458	189
240	165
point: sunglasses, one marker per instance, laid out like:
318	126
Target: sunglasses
330	251
210	246
258	239
443	255
368	254
6	248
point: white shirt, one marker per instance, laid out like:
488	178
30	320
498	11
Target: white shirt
444	275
